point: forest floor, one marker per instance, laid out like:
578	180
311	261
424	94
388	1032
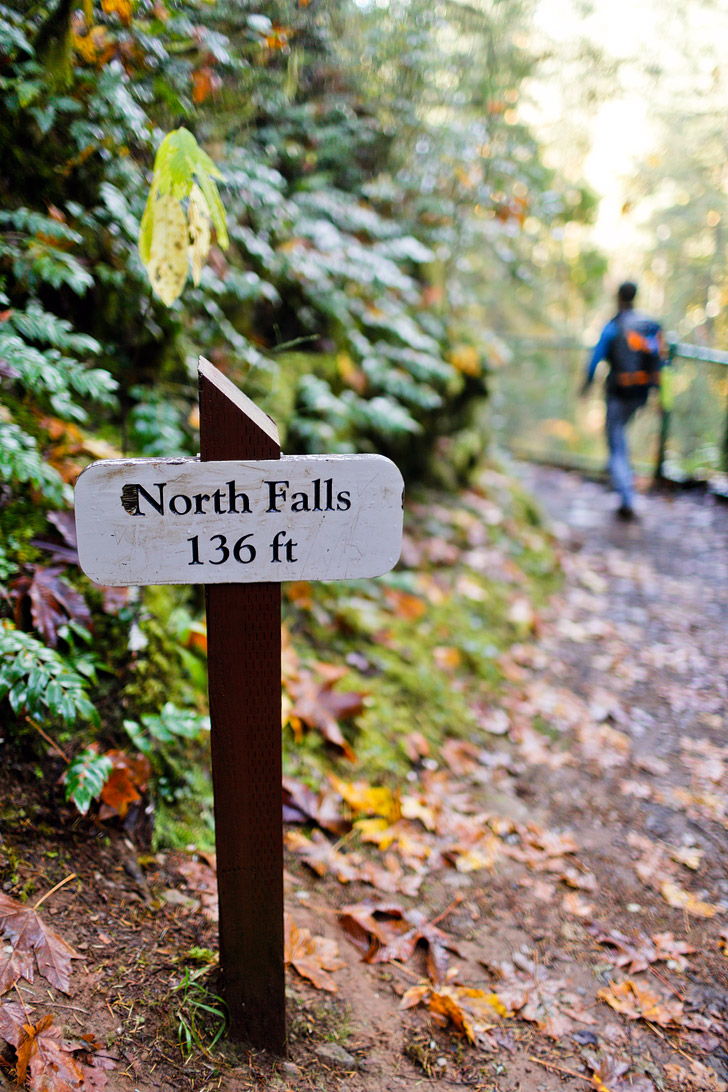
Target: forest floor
576	930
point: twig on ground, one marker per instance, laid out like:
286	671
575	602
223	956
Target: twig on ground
559	1068
53	890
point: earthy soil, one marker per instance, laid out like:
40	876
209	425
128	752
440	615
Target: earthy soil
615	735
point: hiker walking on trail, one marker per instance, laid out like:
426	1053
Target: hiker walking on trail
632	345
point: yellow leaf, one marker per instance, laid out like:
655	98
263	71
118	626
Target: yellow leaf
471	1011
466	359
200	232
367	799
676	896
377	831
122	8
414	807
167	266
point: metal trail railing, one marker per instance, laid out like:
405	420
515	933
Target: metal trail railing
687	352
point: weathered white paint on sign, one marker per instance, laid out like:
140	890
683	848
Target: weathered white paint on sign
182	521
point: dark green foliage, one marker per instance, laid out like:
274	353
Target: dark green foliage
39	681
374	186
85	778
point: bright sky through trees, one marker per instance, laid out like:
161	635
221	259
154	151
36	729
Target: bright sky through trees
664	56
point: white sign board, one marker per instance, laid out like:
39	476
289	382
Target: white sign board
183	521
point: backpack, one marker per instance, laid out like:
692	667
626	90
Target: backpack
635	355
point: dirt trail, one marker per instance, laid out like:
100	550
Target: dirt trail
617	738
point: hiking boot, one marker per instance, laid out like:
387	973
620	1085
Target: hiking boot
626	512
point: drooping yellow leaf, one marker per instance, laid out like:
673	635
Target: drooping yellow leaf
167	265
200	226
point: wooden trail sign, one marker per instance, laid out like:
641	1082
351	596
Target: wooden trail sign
181	521
240	520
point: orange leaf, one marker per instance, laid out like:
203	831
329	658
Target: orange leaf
636	1003
125	784
204	83
312	956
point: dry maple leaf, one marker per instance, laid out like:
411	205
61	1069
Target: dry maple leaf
312	956
30	937
637	1003
541	1000
48	1063
45	1061
385	931
460	755
321	857
366	799
317	705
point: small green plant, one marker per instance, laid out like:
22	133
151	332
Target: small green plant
170	724
202	1017
38	681
85	778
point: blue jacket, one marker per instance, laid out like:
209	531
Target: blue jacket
602	349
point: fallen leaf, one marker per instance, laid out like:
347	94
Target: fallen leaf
447	658
41	1050
385	931
573	903
690	856
460	755
321	856
366	799
685	900
125	784
637	1003
301	805
200	875
699	1078
29	936
608	1075
637	952
317	705
473	1012
312	956
540	999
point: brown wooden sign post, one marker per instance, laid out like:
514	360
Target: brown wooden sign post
241	519
244	679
